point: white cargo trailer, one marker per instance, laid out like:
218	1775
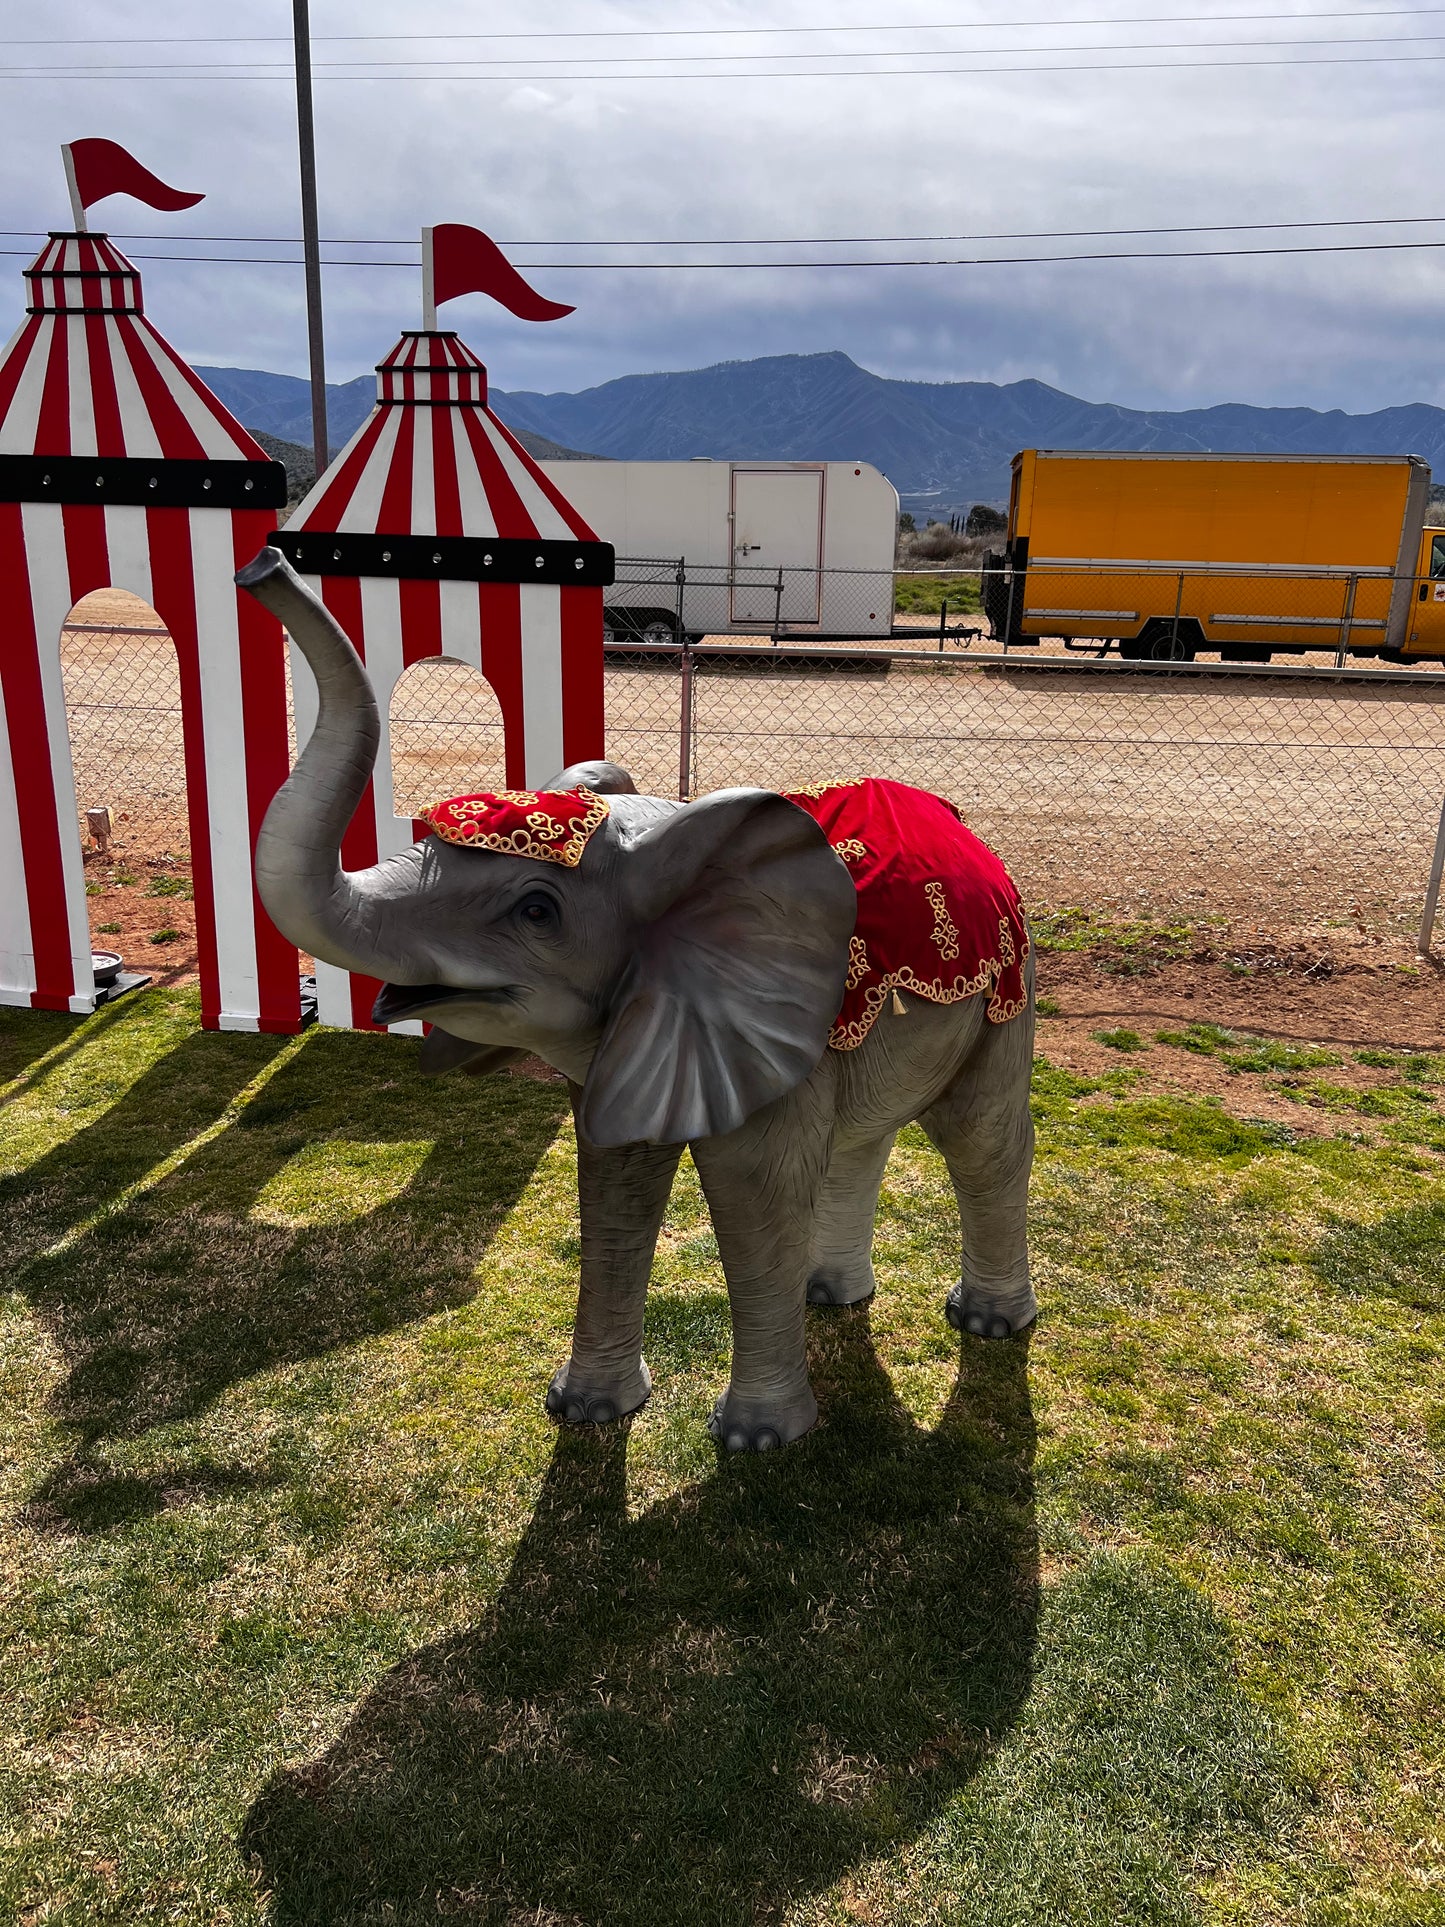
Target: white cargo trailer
798	548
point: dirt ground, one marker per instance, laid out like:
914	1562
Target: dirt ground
1337	999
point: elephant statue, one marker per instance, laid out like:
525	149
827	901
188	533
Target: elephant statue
746	975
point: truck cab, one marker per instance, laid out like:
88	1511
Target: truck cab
1426	638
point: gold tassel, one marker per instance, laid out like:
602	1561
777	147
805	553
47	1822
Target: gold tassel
899	1009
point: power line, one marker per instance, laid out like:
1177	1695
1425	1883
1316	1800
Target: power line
844	73
710	33
935	261
788	241
211	68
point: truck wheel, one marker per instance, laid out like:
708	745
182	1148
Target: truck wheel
658	633
1159	641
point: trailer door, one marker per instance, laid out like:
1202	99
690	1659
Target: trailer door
777	523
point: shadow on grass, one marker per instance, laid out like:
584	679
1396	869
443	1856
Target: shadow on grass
159	1303
694	1715
26	1035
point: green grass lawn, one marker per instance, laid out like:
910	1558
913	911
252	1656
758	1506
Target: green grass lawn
311	1616
926	594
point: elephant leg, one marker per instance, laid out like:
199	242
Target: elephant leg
983	1128
623	1193
762	1183
840	1270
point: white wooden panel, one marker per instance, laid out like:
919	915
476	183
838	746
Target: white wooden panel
541	682
17	954
50	599
227	805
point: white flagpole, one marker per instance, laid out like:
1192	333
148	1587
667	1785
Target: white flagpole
77	209
428	282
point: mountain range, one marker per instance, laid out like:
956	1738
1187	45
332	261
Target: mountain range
943	444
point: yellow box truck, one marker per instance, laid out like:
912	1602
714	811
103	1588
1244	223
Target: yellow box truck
1249	555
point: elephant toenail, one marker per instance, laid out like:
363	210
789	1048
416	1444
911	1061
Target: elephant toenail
975	1323
998	1327
766	1441
603	1411
737	1441
576	1411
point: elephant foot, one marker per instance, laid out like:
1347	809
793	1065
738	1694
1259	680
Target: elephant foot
759	1425
575	1402
836	1285
986	1316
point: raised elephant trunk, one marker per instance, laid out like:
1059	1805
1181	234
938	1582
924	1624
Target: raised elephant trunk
307	894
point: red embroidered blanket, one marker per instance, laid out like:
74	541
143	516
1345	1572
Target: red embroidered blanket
938	914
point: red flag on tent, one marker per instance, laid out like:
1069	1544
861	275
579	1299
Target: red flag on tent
463	260
97	167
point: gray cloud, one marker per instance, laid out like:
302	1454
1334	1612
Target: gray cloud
699	161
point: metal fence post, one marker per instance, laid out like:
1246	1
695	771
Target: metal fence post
684	753
1345	623
942	623
681	585
1008	626
1178	605
1432	891
778	607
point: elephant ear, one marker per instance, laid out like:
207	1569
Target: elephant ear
729	997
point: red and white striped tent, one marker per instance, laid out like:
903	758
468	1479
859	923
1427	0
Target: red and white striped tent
119	468
434	533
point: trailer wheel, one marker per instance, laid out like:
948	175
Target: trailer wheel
655	627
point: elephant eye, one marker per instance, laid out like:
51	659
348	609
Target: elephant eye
537	911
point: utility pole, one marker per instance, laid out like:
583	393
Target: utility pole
310	234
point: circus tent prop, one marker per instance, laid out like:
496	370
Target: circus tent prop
434	534
119	468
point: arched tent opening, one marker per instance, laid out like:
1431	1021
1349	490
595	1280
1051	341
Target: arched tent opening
122	683
442	734
446	733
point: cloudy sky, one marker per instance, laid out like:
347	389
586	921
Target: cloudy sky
820	135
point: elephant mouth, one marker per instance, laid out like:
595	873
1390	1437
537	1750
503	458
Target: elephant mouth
395	1002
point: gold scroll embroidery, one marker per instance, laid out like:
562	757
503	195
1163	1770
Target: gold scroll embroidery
945	930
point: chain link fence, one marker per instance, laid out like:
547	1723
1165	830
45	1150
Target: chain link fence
123	700
1238	614
1138	611
1257	796
123	703
446	735
1281	796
